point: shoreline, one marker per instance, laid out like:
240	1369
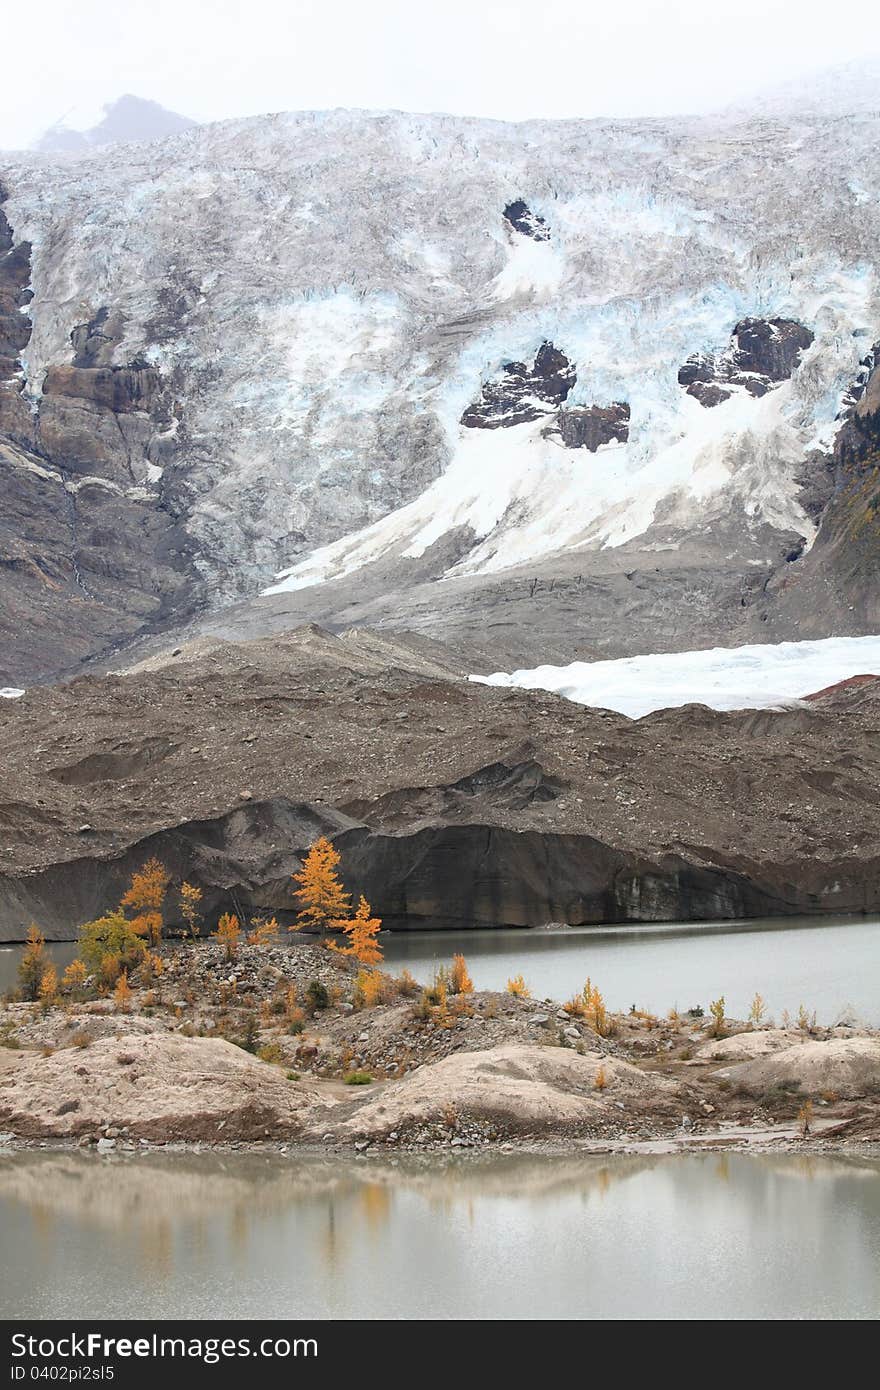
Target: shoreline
303	1050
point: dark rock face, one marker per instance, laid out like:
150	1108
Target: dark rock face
762	354
84	564
834	586
523	393
591	426
15	327
520	217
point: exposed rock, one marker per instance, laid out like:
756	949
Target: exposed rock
15	326
521	218
177	1088
591	426
523	393
844	1066
762	354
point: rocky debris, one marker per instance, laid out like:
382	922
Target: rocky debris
522	393
165	1087
450	801
520	217
591	426
847	1067
514	1089
762	354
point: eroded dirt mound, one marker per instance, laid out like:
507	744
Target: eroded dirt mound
514	1089
156	1086
744	1046
844	1066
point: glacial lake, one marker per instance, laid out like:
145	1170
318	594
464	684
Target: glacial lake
830	965
507	1236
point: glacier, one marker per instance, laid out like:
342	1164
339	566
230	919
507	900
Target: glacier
762	676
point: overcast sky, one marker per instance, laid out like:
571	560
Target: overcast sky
513	59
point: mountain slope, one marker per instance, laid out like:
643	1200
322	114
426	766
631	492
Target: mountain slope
373	351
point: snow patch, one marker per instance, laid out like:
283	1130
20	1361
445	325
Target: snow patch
10	692
724	678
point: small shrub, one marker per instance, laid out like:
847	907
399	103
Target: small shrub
518	987
696	1012
270	1052
357	1078
716	1009
122	993
249	1036
601	1079
422	1008
804	1116
296	1021
111	935
368	988
407	985
228	934
460	981
756	1011
317	996
293	1075
33	964
49	987
805	1021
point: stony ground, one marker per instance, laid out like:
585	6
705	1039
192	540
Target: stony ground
284	1044
450	801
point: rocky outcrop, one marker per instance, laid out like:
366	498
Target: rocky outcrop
522	393
762	354
15	326
520	217
592	426
836	581
84	563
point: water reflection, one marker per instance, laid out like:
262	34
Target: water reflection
505	1236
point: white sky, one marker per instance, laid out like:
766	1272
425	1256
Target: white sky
505	58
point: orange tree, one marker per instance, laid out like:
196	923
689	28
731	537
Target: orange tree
362	930
145	897
324	900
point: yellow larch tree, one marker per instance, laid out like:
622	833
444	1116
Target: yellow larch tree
122	993
228	933
362	930
324	900
145	897
461	980
190	898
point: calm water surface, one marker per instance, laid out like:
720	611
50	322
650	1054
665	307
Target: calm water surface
247	1236
831	965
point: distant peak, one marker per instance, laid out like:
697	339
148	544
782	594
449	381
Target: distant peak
129	119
